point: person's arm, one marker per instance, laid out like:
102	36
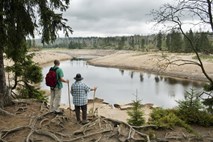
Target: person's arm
61	75
93	89
63	80
71	90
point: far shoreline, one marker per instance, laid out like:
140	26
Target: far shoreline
107	58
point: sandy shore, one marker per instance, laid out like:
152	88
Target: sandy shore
155	63
134	60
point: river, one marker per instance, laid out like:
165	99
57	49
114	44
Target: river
118	86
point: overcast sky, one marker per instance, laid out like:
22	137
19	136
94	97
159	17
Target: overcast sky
111	17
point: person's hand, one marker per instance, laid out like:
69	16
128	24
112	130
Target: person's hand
95	88
67	81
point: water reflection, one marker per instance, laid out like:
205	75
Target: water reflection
141	77
122	71
118	85
131	74
157	79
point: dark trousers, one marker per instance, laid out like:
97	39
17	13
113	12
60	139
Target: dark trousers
84	112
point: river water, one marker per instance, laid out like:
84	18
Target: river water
118	86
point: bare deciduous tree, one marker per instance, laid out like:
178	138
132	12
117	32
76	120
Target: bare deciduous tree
192	14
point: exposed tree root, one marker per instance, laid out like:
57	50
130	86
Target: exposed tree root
4	112
88	135
51	127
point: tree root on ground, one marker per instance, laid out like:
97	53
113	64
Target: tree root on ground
4	112
50	127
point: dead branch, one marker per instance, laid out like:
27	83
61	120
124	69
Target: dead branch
165	62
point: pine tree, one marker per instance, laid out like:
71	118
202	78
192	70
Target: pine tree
176	41
187	46
159	41
136	114
19	19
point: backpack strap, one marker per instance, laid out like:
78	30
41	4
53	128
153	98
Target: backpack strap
54	68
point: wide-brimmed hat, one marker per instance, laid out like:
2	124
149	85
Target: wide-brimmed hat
78	77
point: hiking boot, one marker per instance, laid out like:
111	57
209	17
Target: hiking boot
85	122
58	112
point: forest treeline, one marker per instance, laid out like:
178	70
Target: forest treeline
172	42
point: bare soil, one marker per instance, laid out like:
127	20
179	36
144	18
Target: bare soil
30	121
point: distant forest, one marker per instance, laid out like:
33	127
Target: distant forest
172	42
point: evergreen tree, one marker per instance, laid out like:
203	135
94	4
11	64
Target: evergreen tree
132	42
203	44
142	43
136	114
187	47
192	111
18	20
176	41
159	40
168	41
121	43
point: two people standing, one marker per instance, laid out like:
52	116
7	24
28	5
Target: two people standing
79	92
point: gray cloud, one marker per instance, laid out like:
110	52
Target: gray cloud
111	17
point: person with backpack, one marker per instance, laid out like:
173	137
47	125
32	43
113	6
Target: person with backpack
79	92
54	79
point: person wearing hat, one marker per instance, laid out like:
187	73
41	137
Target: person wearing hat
79	92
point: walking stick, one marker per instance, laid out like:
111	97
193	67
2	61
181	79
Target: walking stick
93	107
69	97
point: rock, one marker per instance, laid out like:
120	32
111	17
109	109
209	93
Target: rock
117	106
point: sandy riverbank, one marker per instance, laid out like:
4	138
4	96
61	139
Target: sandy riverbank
134	60
155	63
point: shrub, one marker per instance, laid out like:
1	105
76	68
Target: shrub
30	92
166	118
192	111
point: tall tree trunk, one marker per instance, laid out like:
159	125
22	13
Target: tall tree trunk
3	87
4	97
